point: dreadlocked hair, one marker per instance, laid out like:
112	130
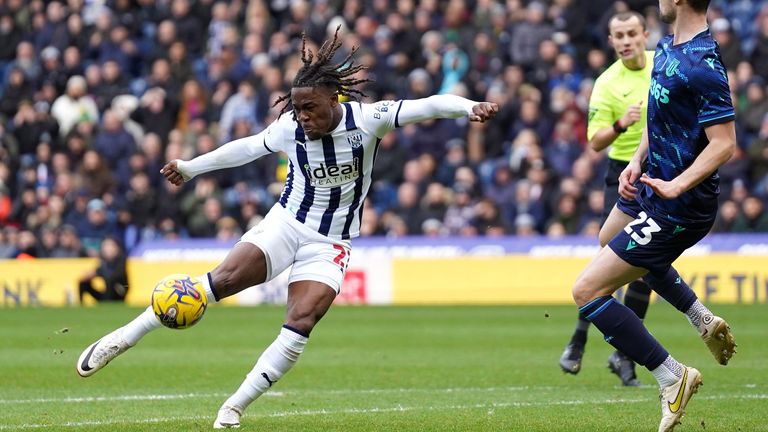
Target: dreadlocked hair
324	73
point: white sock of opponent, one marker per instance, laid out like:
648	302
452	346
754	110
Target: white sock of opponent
695	312
668	372
147	321
274	362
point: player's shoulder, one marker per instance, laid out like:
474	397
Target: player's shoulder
702	48
704	56
286	122
283	126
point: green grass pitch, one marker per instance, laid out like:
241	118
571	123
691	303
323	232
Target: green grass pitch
369	369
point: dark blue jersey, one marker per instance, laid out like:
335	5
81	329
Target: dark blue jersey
689	92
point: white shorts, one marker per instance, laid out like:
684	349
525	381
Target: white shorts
286	241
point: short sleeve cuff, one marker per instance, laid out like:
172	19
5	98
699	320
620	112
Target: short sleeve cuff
717	118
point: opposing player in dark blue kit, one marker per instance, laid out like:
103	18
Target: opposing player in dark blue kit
689	134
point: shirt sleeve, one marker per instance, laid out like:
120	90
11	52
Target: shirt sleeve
710	84
601	114
385	116
381	117
237	152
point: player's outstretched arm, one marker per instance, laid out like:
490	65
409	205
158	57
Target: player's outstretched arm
231	154
722	143
445	106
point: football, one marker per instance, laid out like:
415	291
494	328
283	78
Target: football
179	301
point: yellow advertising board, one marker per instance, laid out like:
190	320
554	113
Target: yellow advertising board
42	282
511	279
518	279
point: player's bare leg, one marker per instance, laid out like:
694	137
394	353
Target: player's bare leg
229	278
308	301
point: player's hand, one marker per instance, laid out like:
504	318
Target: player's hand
172	173
483	111
633	114
664	189
627	180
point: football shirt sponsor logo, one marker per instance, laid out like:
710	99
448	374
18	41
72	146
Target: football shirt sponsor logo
333	175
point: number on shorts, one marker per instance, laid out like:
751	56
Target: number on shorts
646	231
342	259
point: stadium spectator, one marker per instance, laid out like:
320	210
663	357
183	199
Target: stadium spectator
74	106
408	207
157	113
113	142
26	61
528	35
752	217
32	126
68	244
111	274
730	48
97	226
241	106
10	36
759	58
17	89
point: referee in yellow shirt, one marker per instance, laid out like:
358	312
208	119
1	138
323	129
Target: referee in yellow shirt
617	110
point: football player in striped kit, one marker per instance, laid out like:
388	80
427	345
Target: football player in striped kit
331	148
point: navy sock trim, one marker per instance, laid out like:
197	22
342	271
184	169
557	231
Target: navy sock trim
596	306
588	305
210	283
295	330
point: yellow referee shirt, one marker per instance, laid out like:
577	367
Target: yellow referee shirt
615	90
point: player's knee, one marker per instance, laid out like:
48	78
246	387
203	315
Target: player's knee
604	238
582	292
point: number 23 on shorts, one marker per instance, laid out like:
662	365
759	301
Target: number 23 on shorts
646	232
342	259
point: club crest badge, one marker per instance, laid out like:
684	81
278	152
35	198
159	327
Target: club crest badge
355	140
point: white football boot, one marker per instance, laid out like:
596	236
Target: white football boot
228	417
101	352
674	398
716	333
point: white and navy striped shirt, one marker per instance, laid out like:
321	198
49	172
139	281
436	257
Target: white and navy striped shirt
329	178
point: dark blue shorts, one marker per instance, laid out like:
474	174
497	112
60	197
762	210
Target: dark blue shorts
653	242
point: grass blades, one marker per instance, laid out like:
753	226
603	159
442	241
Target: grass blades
369	369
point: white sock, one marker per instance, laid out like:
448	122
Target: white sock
695	312
274	362
668	372
140	326
208	290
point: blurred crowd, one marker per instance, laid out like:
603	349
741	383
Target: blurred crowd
97	95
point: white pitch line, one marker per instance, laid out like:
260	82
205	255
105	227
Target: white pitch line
152	397
374	410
